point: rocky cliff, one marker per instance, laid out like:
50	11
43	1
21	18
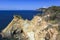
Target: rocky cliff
35	29
39	28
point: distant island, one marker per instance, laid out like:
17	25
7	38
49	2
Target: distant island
44	26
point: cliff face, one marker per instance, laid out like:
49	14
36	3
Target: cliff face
44	27
36	29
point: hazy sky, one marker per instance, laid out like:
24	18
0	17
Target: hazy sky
27	4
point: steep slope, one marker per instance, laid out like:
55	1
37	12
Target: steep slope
36	29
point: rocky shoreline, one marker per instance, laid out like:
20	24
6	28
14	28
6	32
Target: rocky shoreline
41	27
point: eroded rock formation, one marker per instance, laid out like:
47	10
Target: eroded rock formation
36	29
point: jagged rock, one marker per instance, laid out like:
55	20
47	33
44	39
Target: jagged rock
36	29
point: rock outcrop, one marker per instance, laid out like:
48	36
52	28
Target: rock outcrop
36	29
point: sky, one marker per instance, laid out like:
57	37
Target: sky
27	4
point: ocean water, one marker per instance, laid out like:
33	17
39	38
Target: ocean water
7	15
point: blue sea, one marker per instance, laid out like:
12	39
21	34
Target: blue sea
7	15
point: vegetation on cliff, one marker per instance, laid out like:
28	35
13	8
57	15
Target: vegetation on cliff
53	11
